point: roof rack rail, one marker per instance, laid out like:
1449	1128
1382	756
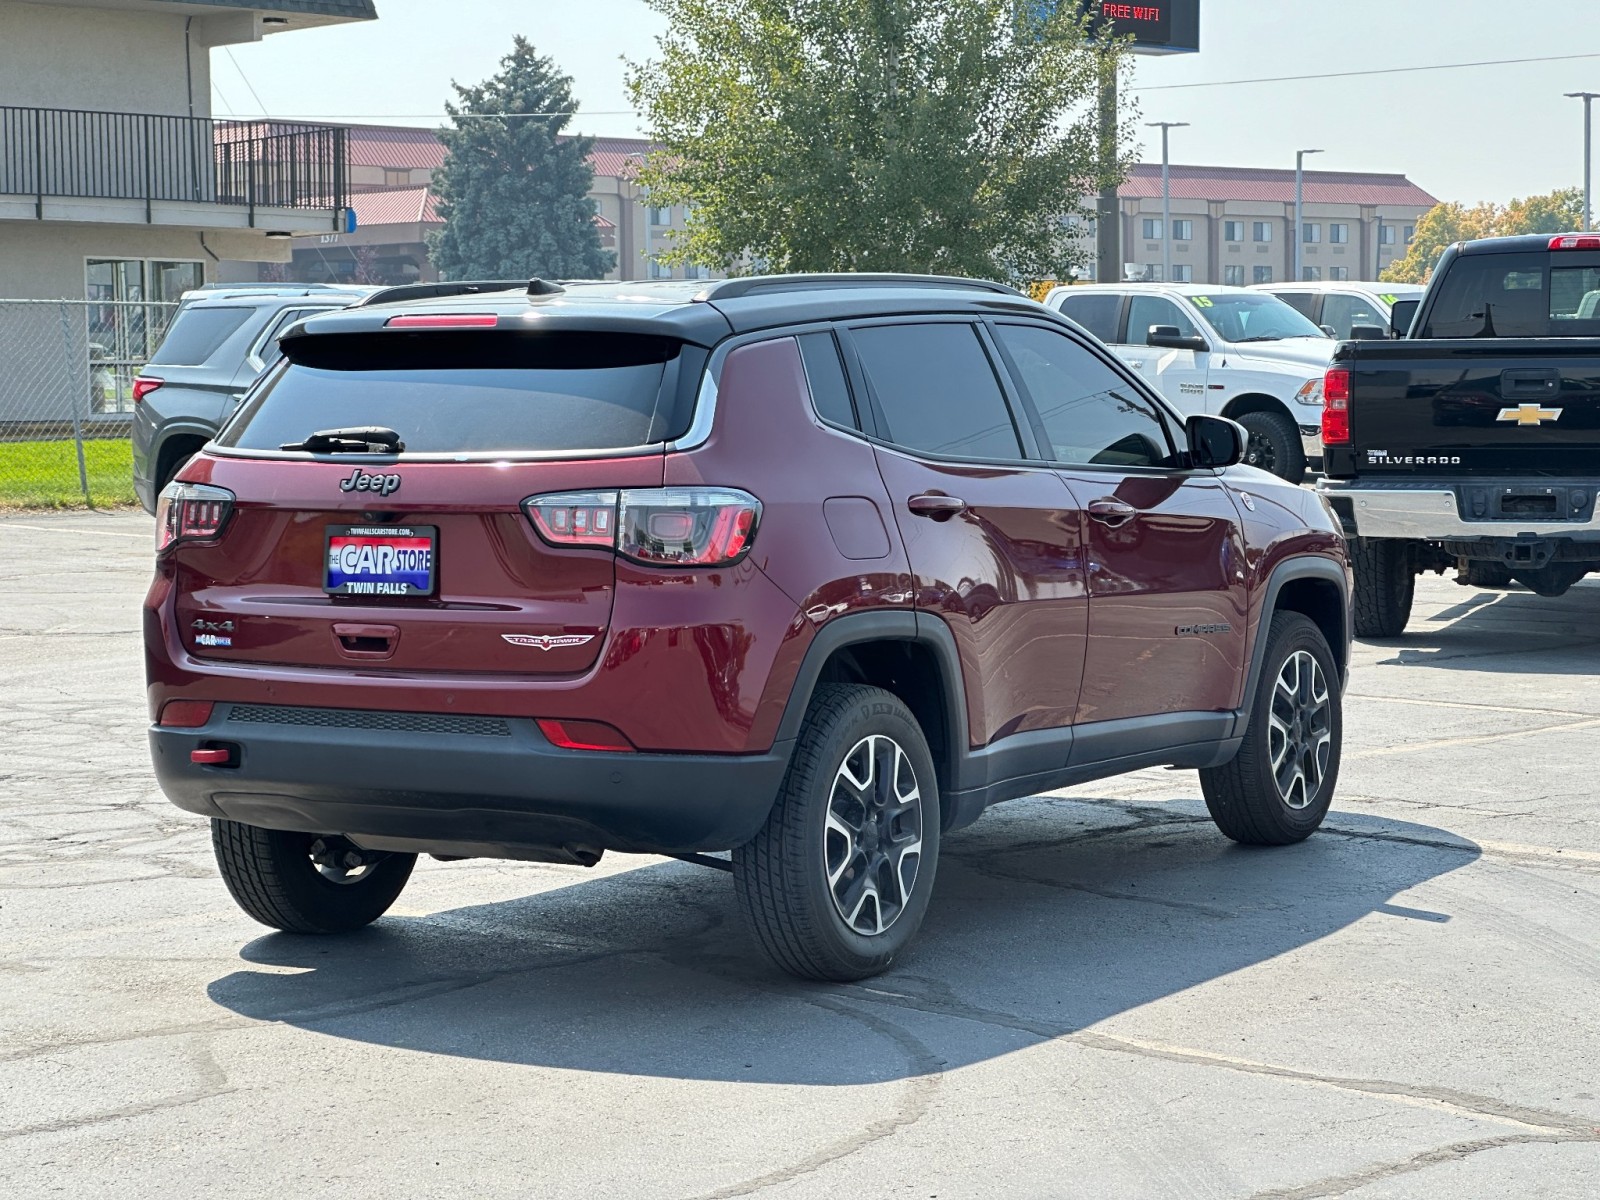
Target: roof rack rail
755	285
465	287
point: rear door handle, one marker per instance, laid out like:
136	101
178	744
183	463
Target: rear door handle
1530	383
936	507
1112	512
365	641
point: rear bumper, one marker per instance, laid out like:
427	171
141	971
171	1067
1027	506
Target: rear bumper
474	786
1433	513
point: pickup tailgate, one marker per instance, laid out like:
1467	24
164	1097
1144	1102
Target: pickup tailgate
1513	406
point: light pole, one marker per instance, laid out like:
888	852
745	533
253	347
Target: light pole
1166	195
1588	99
1377	236
1299	210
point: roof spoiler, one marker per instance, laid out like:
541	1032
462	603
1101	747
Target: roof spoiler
757	285
437	291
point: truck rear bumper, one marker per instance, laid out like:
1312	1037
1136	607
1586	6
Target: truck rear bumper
475	787
1433	513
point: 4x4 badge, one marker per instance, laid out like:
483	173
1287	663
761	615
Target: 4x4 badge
547	641
1531	414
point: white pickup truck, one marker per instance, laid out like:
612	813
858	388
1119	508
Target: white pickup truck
1228	351
1351	311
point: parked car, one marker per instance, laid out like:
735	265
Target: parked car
1221	350
1473	445
811	569
221	339
1347	311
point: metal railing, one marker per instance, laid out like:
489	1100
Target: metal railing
48	152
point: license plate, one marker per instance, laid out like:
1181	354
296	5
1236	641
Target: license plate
380	560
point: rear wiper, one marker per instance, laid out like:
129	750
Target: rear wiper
367	439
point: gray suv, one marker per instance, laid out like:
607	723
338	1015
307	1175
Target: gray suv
219	343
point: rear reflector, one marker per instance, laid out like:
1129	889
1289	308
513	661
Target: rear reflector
1336	408
585	735
1574	241
211	758
144	385
185	714
445	321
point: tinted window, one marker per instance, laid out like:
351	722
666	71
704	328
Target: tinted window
1344	313
271	352
1095	311
830	394
446	393
1146	311
1301	302
196	334
1090	414
1517	295
1243	317
937	391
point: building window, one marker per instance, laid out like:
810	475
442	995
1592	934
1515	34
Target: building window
660	216
1339	235
1385	235
1152	228
1263	274
1182	273
1311	274
1233	276
396	179
1311	233
659	269
1339	274
1263	232
1233	231
1411	234
1152	273
1183	231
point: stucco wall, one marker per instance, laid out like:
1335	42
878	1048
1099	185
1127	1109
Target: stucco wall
44	261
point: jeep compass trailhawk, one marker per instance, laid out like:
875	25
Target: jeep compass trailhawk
810	569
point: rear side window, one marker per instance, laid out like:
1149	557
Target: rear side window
196	335
1517	295
1096	312
937	390
1301	302
830	393
471	393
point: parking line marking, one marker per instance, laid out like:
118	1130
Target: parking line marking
1542	712
140	537
1385	751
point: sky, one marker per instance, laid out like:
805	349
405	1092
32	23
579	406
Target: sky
1470	134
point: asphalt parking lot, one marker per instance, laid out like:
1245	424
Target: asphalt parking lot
1108	998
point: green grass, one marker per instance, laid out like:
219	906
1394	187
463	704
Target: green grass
45	474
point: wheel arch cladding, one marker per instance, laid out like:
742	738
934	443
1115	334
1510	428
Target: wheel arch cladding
1254	402
1319	590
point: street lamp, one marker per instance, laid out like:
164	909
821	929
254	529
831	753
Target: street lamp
1588	99
1166	195
1299	210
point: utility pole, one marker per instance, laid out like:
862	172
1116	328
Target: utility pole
1108	215
1166	195
1377	236
1300	211
1588	99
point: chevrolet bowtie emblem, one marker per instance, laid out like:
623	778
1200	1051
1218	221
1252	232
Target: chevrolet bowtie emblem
1531	414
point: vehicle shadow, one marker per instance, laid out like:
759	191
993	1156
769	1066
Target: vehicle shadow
1050	915
1513	631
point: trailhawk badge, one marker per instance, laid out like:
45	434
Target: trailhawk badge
547	641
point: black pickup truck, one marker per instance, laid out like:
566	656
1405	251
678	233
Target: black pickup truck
1472	444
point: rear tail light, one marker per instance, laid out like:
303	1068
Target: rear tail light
1336	408
143	385
185	714
669	527
191	512
1574	241
585	735
444	321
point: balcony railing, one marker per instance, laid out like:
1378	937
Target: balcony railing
48	152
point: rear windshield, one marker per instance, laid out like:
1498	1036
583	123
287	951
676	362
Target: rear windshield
467	393
1517	295
196	334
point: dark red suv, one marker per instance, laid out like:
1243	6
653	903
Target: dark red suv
813	569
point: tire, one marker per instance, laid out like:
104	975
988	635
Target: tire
803	881
272	877
1386	585
1299	687
1275	445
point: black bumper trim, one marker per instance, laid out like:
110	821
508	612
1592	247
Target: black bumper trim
518	793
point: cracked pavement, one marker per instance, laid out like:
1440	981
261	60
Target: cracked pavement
1107	1000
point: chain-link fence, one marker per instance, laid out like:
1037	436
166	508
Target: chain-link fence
66	398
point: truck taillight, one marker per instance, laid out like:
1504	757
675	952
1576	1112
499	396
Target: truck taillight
143	385
1575	241
668	527
191	512
1336	407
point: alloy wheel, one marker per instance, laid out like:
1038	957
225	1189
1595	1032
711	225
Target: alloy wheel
339	861
872	841
1300	730
1259	452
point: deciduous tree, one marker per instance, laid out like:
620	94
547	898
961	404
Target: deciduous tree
1558	212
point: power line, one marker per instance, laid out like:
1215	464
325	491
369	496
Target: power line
246	79
1498	62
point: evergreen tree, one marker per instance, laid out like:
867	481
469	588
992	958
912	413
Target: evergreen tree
514	193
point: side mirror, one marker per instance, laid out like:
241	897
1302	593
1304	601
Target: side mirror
1329	330
1401	315
1216	441
1168	337
1368	333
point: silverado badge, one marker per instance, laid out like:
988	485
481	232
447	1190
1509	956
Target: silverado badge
1531	414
